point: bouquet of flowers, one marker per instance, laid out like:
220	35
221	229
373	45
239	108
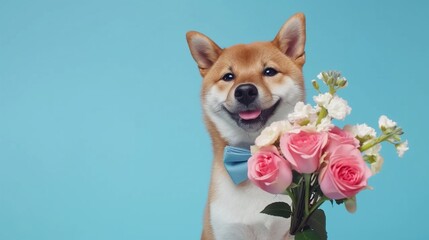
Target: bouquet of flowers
310	159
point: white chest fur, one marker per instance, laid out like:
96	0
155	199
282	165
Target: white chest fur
235	213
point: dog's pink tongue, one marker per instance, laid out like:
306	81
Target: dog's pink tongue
249	115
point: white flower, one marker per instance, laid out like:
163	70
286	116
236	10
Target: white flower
373	151
376	166
282	126
384	122
361	130
271	133
338	108
306	128
323	99
301	112
320	76
254	149
325	125
402	148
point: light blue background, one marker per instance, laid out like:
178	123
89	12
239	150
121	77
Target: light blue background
101	132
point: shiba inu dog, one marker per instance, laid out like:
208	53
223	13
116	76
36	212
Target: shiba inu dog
245	88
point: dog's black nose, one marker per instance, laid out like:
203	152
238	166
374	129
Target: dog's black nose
246	93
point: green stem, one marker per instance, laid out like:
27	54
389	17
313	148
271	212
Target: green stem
376	141
293	220
315	206
290	193
322	114
318	204
332	90
307	178
297	214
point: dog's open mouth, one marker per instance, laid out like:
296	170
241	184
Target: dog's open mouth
253	119
250	115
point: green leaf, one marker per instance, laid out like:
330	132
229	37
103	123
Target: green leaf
278	209
340	201
307	235
317	222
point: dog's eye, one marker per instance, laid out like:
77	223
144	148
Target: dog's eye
269	72
228	77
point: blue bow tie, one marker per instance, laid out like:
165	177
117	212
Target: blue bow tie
235	161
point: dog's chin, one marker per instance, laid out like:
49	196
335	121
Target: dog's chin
253	124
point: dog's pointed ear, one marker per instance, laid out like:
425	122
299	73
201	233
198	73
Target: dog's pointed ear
203	50
291	38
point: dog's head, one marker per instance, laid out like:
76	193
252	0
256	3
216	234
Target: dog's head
248	86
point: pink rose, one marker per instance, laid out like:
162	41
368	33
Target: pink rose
269	171
345	173
340	136
303	149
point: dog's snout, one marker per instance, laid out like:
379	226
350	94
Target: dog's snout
246	93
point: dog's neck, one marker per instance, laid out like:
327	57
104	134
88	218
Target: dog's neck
219	142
